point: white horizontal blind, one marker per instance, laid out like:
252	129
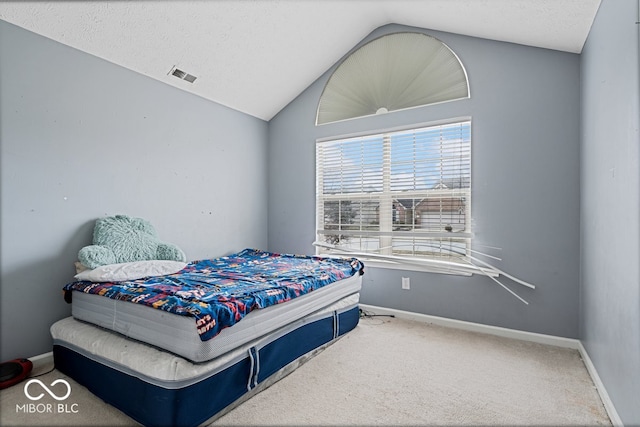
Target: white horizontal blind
405	193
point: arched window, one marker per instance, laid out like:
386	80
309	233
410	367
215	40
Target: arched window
392	72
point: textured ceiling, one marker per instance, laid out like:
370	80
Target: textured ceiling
256	56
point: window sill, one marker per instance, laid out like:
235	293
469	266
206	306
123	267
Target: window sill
433	266
461	270
394	262
409	265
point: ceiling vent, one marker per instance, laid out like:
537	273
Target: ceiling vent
182	75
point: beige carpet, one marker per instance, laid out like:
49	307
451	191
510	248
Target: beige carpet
390	372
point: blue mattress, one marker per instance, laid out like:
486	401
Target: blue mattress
195	398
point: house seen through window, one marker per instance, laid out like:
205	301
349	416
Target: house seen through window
402	193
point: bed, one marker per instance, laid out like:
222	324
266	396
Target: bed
243	322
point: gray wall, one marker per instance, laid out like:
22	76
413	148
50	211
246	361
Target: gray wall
610	203
525	110
82	138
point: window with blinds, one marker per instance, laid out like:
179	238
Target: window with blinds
403	193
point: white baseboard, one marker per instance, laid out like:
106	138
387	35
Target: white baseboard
42	362
477	327
515	334
602	391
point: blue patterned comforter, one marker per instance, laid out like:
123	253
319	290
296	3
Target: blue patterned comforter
219	292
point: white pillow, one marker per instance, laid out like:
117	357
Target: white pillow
131	271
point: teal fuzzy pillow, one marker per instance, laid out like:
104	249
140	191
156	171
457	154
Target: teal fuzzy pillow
122	238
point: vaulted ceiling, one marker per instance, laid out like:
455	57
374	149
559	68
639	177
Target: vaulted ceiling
256	56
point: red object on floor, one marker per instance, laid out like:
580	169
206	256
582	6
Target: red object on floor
14	371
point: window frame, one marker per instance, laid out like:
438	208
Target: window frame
458	265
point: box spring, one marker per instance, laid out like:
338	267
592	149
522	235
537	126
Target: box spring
155	387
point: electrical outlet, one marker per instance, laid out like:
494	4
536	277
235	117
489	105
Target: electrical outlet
406	283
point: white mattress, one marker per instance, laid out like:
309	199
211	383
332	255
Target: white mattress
178	334
159	367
